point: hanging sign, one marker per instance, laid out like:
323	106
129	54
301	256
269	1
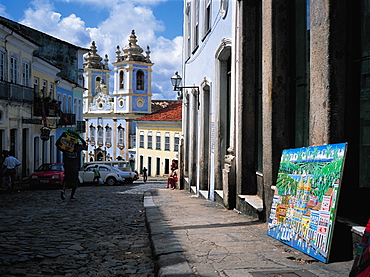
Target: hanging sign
45	133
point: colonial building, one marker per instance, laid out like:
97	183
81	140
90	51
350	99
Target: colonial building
41	93
273	75
159	135
110	115
16	94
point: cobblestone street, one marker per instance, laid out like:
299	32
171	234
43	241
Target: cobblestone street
102	233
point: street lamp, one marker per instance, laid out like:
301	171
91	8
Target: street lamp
176	82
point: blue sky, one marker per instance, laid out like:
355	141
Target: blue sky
157	23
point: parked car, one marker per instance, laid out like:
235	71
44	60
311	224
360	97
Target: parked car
109	174
124	166
50	175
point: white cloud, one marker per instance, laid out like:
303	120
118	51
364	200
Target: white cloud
42	17
122	17
3	11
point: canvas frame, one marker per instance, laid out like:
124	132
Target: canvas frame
306	197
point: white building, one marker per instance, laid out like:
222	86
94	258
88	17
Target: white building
109	114
207	53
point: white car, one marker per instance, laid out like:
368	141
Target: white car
129	175
110	175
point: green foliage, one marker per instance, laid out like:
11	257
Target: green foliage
286	185
324	173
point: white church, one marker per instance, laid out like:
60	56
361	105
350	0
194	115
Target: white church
110	126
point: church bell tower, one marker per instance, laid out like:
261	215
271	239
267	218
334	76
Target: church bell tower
132	79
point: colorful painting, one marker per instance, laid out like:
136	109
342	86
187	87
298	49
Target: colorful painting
305	200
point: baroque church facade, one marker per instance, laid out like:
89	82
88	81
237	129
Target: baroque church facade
110	113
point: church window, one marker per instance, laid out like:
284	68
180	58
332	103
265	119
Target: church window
100	135
121	79
121	131
121	103
92	134
108	136
140	80
167	141
141	139
150	140
158	141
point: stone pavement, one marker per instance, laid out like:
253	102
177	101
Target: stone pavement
192	236
102	233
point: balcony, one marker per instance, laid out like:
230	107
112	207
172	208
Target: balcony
15	92
46	107
66	119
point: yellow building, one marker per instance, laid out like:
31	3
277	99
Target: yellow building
159	135
16	95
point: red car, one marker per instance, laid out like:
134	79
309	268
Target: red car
49	175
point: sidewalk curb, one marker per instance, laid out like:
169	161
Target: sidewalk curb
168	254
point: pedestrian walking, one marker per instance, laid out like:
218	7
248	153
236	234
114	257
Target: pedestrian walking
96	175
145	176
9	169
71	148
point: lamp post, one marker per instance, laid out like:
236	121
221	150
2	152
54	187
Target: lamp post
176	82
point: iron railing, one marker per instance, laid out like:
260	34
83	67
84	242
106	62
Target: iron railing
15	92
66	119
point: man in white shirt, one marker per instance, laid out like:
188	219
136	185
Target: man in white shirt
9	165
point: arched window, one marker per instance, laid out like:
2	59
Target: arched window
13	69
121	79
100	135
121	131
92	134
140	80
108	136
26	74
2	65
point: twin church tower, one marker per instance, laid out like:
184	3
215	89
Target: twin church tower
109	115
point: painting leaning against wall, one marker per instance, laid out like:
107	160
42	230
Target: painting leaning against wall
305	200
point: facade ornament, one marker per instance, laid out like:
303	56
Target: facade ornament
106	60
229	158
92	59
132	51
147	58
118	54
140	102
